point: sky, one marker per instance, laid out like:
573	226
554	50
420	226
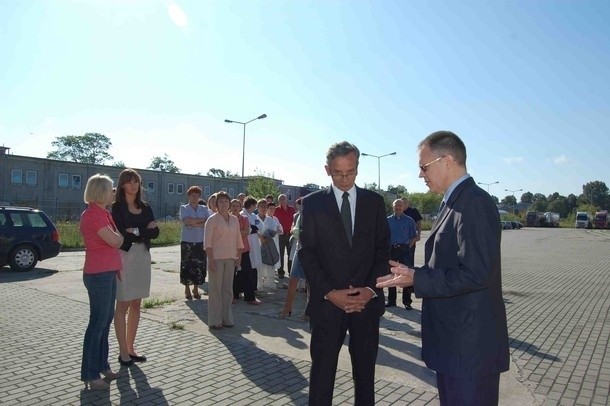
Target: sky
525	84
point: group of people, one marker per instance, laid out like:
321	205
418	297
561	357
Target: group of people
250	236
347	249
117	269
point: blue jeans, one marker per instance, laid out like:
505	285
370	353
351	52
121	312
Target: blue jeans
101	289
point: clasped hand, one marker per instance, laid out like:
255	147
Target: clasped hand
350	300
400	276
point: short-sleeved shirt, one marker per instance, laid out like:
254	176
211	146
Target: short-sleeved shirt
285	217
402	229
99	256
244	223
413	213
192	234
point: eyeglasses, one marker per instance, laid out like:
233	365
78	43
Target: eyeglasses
348	174
424	167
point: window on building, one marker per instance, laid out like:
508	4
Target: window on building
231	192
170	188
16	176
31	178
63	180
150	186
76	181
179	188
206	192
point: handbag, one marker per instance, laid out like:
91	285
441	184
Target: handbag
269	253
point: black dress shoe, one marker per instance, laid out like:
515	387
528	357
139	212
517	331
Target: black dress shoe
408	307
125	363
390	304
137	358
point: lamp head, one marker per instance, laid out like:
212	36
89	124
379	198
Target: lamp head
262	116
228	121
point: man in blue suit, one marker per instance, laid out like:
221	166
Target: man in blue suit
345	247
464	332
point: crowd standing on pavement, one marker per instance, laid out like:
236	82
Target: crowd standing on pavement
342	243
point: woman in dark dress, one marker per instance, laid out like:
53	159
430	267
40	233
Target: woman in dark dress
192	256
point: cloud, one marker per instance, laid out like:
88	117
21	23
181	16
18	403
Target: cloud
513	159
177	16
561	160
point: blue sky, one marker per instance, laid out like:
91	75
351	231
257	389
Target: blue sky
526	84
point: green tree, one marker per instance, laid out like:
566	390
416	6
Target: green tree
426	203
398	190
91	148
509	200
163	164
559	205
219	173
119	164
595	193
527	197
311	186
260	186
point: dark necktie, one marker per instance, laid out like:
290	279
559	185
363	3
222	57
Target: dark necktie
346	215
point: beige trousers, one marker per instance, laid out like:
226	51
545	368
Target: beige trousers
220	293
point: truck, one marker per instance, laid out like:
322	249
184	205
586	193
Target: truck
550	219
537	219
583	220
601	219
533	219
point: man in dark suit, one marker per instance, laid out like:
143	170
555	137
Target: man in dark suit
344	249
464	332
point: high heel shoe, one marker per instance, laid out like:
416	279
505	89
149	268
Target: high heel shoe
283	314
98	384
109	375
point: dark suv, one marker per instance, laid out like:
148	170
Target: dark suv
26	237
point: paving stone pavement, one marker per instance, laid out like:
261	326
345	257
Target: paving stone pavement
556	288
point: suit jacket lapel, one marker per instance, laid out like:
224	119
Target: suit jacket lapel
449	204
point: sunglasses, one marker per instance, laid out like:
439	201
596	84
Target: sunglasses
424	167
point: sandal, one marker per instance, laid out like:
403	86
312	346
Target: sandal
283	314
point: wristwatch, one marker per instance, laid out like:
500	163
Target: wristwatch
136	231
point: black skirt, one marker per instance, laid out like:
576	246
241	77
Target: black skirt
192	263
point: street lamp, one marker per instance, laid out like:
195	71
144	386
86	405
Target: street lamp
378	166
243	148
488	184
513	192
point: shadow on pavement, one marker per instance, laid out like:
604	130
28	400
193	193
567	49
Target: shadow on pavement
7	275
531	349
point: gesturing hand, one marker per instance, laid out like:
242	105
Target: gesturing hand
401	276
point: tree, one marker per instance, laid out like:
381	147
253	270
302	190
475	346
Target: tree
219	173
398	190
595	193
527	197
560	206
119	164
426	203
260	186
163	164
91	148
371	186
311	186
509	200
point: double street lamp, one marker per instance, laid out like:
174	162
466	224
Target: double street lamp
488	184
378	166
243	148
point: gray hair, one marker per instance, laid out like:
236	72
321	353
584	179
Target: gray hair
342	148
446	143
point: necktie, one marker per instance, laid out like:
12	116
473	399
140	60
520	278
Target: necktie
346	215
442	206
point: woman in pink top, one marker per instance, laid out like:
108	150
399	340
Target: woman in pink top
102	266
223	245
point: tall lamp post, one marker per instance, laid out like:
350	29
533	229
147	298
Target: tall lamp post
243	147
488	184
513	193
378	166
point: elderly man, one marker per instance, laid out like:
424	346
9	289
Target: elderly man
402	237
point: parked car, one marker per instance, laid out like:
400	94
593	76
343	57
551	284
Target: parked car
506	225
516	225
26	236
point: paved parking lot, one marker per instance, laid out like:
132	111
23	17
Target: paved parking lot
556	287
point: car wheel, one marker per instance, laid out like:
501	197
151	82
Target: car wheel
23	258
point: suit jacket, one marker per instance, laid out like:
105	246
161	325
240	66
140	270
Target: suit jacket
327	258
464	330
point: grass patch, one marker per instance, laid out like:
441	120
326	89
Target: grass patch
156	301
71	238
174	325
